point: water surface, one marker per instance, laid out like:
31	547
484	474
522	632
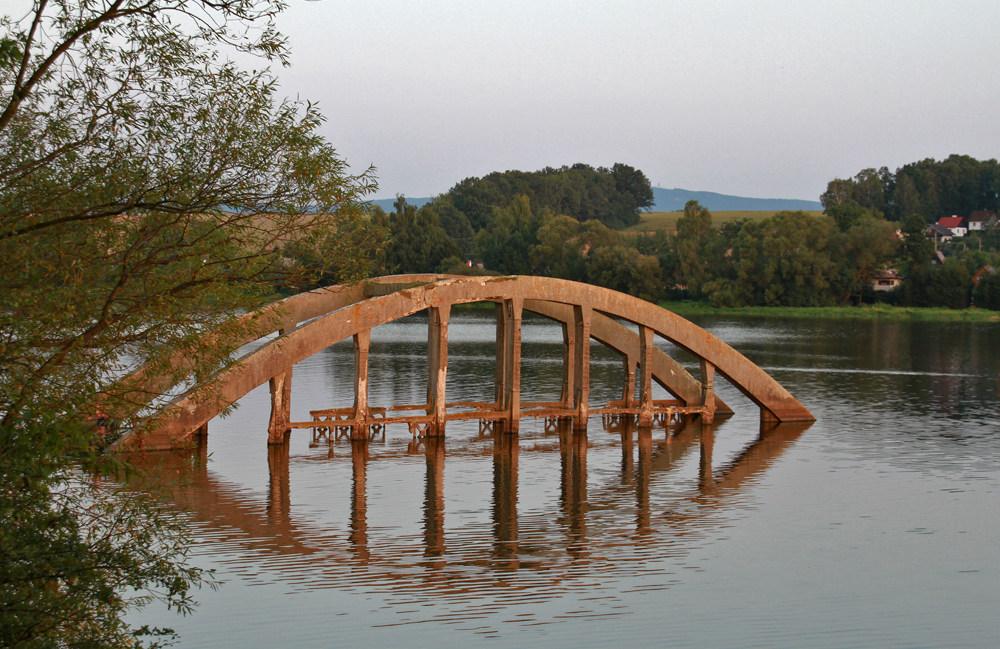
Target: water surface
876	526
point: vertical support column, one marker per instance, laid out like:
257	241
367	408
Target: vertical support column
645	376
628	384
362	343
581	365
513	309
281	405
500	382
437	362
708	391
569	365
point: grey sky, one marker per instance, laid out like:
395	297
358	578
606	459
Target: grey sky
766	99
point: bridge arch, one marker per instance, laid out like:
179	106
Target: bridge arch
312	321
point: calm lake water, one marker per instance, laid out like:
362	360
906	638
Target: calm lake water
876	526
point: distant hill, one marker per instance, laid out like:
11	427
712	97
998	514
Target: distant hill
673	200
386	203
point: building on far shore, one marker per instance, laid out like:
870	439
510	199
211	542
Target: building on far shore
982	220
982	272
886	280
956	224
939	233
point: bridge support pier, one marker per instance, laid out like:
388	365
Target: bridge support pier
645	376
281	405
437	362
511	403
628	384
569	367
581	365
362	344
708	391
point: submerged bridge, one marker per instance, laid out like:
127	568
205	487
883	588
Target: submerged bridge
310	322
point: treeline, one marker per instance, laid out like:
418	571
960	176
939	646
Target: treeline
788	259
957	185
567	222
467	221
797	259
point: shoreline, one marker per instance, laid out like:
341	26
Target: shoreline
878	311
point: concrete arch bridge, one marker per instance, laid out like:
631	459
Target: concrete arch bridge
312	321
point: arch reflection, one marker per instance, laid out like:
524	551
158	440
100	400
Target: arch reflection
647	497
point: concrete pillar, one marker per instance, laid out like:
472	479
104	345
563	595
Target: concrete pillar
645	376
500	382
628	384
437	363
581	365
569	365
513	309
281	405
362	344
708	391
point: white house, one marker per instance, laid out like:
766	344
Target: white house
982	220
956	224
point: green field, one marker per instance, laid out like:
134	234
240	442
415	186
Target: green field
652	221
881	311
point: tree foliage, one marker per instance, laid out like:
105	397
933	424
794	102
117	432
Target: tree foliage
416	241
78	552
150	190
612	196
507	243
933	189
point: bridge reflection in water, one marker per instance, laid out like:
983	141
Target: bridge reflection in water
612	525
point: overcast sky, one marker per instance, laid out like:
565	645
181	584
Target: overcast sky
766	98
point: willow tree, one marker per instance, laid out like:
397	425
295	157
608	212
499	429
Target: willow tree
148	188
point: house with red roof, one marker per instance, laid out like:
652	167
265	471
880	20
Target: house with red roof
956	224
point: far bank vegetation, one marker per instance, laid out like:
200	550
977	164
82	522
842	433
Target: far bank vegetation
592	225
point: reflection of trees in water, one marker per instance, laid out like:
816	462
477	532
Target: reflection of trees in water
879	347
456	571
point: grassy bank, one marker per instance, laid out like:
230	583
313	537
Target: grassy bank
652	221
865	311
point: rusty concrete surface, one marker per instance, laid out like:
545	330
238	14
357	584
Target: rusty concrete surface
312	321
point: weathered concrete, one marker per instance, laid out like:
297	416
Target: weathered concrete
308	328
667	372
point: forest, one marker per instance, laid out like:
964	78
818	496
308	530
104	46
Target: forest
569	222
